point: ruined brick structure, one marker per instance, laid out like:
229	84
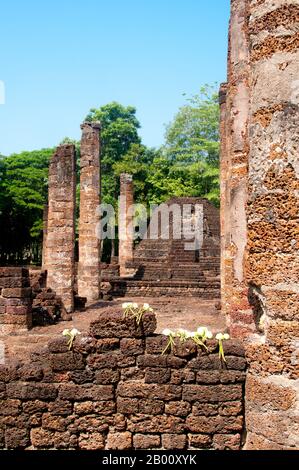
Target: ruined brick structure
115	390
165	267
59	255
89	243
125	224
15	300
260	234
45	232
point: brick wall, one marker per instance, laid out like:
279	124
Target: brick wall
15	300
115	390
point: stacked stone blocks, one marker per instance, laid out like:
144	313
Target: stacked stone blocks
15	300
115	390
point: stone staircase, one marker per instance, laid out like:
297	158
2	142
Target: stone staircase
165	268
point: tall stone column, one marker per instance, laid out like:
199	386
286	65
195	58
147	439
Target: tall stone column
272	390
45	232
235	100
89	242
60	244
125	224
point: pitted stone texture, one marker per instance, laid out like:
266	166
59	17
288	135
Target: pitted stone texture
87	398
15	300
89	240
271	259
59	255
126	240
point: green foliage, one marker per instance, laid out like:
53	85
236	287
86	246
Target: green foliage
119	132
23	193
193	135
187	165
192	148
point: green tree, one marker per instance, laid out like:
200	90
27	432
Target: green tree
192	148
23	193
119	132
138	162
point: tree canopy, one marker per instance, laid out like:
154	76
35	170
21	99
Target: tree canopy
186	165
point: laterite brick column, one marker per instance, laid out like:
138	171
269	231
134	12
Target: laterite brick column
234	100
15	300
272	392
60	240
45	232
89	240
126	240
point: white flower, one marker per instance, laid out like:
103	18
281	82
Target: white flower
75	332
125	305
66	332
146	307
220	337
209	335
181	332
167	332
134	305
226	336
190	334
202	331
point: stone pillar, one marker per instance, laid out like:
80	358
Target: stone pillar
272	391
235	100
125	224
60	245
15	300
89	242
45	232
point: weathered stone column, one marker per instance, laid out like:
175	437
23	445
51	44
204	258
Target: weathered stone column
125	224
272	391
45	232
60	244
89	242
235	100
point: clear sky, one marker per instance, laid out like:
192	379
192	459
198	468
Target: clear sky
59	58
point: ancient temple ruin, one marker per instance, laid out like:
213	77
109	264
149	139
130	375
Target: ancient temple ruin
116	390
163	265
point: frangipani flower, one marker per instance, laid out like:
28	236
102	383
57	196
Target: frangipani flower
71	334
133	310
75	332
167	332
222	337
204	332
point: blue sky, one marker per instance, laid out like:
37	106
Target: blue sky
60	58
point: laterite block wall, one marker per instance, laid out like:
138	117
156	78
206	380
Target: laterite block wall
115	390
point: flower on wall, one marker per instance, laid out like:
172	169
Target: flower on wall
71	334
133	310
